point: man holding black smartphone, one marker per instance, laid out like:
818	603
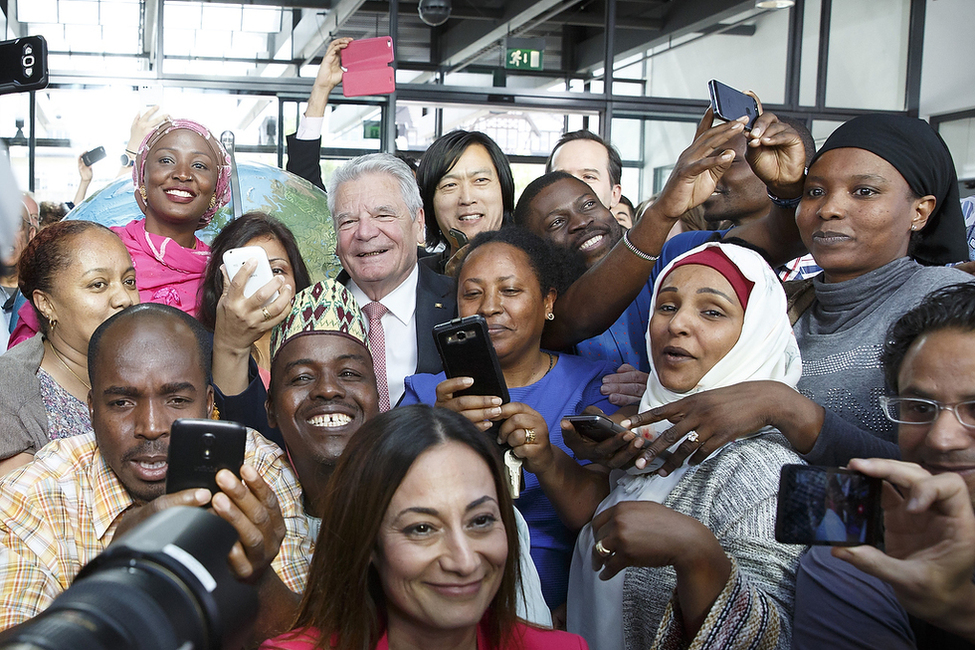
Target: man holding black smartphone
149	366
919	593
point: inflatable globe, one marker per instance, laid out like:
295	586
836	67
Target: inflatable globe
299	204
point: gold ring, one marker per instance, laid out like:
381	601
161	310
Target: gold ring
602	550
529	436
267	316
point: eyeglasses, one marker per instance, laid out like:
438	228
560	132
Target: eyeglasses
915	410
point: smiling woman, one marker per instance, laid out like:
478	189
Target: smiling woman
182	177
511	277
75	274
419	538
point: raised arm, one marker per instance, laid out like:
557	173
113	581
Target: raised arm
597	299
777	156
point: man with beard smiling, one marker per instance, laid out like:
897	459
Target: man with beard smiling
148	365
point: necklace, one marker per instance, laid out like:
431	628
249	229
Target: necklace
67	367
551	364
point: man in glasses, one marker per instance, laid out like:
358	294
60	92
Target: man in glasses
919	593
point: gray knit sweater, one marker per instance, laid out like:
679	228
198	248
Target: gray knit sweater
734	494
841	336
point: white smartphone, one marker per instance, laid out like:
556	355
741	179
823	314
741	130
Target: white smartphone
235	258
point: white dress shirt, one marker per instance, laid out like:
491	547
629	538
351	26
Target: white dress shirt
399	328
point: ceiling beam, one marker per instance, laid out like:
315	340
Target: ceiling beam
468	38
686	17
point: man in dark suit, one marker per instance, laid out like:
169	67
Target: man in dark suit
378	217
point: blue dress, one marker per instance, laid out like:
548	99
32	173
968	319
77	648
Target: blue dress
572	385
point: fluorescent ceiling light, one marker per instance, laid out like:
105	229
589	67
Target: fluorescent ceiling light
774	4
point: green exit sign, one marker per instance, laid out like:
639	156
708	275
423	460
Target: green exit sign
519	59
372	129
524	53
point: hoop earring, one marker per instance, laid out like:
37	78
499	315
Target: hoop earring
550	316
52	323
142	191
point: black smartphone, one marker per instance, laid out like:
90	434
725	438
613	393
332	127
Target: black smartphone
828	506
93	156
198	449
595	427
730	104
466	351
23	64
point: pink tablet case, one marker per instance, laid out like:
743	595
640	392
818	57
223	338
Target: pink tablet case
366	67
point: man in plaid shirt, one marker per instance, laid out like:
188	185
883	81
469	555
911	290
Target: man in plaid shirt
149	365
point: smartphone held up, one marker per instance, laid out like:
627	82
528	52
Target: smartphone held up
198	449
235	258
23	64
828	506
730	104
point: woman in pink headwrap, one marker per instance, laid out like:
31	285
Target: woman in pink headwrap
182	177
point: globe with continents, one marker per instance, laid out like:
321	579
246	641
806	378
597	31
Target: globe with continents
299	204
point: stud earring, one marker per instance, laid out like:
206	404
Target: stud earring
142	191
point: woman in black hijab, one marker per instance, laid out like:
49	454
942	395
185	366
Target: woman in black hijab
880	196
921	157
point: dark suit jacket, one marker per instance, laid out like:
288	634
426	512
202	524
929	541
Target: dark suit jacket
436	295
436	302
304	159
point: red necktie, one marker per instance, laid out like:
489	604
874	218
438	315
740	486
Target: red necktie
374	311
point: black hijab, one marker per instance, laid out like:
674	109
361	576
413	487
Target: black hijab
915	150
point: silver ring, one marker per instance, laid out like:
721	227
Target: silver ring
692	436
602	550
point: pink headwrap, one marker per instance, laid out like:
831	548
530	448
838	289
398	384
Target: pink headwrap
222	188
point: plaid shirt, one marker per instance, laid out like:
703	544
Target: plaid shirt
61	510
799	269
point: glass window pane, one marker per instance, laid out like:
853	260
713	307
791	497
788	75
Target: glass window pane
822	129
78	12
867	65
758	62
959	135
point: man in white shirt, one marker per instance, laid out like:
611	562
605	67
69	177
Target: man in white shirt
378	216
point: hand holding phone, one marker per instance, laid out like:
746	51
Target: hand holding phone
466	351
595	427
827	506
199	448
730	104
235	258
93	156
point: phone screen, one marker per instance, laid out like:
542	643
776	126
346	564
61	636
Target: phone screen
827	506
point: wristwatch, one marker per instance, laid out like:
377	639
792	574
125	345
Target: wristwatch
128	160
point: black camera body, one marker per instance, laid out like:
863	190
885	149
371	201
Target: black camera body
164	585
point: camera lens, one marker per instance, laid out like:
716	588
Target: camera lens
462	335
